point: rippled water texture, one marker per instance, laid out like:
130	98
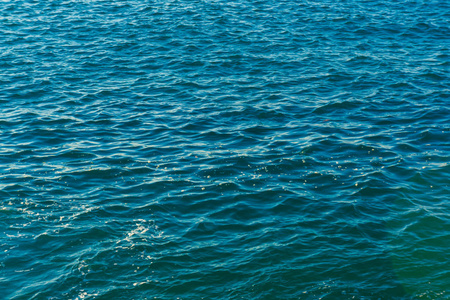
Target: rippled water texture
224	149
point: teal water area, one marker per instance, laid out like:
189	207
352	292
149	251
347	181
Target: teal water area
224	149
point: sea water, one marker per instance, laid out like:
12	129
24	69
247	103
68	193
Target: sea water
181	149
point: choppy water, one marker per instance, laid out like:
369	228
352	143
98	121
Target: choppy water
224	149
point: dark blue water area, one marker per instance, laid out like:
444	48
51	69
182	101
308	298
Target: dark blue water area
224	149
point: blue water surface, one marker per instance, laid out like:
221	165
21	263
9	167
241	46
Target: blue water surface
188	149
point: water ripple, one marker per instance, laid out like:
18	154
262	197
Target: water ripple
210	149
